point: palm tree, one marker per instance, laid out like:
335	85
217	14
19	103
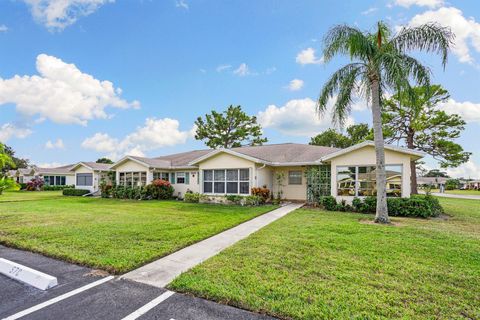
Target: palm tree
379	62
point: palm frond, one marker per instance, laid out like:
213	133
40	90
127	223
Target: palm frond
346	40
335	83
343	104
430	37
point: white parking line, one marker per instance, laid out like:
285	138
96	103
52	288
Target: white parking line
152	304
57	299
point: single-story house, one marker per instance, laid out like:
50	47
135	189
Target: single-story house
344	173
434	182
88	175
58	176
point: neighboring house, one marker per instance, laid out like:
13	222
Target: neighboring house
282	168
58	176
434	182
88	175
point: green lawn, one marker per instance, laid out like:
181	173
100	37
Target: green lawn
464	192
8	196
313	264
114	235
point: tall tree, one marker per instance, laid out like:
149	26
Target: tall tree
17	162
380	62
6	161
331	138
229	129
436	173
419	124
104	160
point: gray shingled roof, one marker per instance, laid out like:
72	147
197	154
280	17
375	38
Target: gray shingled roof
273	153
57	170
286	152
153	162
97	166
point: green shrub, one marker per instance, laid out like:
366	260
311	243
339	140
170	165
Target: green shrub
23	186
192	197
329	203
252	200
415	206
160	189
234	198
74	192
263	193
56	188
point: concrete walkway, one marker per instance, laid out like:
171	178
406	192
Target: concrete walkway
161	272
456	196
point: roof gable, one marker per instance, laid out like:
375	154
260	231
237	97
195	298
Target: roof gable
413	153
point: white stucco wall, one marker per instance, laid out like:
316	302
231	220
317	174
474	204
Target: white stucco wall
264	176
366	157
181	188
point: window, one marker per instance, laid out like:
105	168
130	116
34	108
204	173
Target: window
180	177
133	179
160	175
361	181
226	181
295	177
84	179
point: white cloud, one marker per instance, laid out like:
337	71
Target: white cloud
295	85
307	56
55	145
3	28
9	130
154	134
223	67
466	170
181	4
469	111
467	31
242	70
61	93
58	14
369	11
297	118
420	3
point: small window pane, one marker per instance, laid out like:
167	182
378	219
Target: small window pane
244	174
207	187
346	181
295	177
232	187
63	180
208	175
219	187
244	188
394	181
232	175
57	180
219	175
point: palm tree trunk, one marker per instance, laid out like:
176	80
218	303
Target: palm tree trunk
413	164
381	215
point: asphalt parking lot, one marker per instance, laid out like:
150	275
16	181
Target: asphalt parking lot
106	298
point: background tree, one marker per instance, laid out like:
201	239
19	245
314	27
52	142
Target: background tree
229	129
104	160
17	162
380	62
416	122
6	161
435	173
331	138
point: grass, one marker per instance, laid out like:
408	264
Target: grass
113	235
9	196
313	264
464	192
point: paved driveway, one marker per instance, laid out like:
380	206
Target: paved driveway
113	298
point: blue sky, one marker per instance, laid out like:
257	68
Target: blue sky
63	62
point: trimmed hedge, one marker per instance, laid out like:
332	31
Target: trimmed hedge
56	188
422	206
74	192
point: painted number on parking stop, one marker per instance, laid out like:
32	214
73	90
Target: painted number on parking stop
15	271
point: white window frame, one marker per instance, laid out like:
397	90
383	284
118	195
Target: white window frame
180	175
226	181
289	177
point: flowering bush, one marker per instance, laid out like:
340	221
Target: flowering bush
160	189
35	184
